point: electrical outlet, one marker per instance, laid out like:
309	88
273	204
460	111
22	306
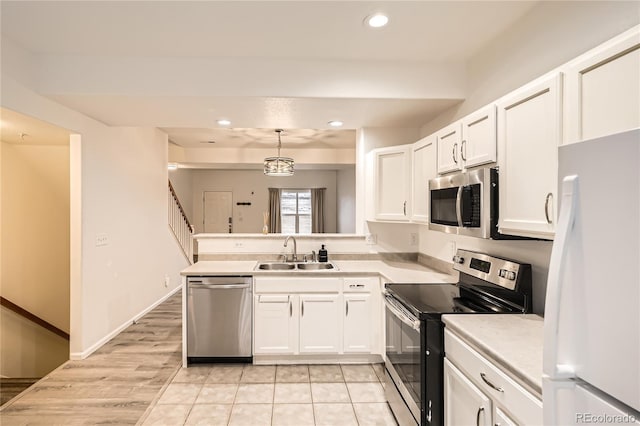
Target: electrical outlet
452	249
167	280
238	244
102	240
371	239
414	239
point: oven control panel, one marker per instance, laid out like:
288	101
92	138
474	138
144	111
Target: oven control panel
502	272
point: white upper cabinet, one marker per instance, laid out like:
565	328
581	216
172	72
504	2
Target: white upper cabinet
468	142
449	141
393	183
424	168
603	89
529	132
478	144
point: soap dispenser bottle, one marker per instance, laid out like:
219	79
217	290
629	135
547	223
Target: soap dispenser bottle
323	255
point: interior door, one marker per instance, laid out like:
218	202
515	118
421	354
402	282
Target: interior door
218	212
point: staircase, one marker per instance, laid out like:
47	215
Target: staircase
180	226
10	387
37	336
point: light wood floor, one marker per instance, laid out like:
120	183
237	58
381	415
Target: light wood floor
114	385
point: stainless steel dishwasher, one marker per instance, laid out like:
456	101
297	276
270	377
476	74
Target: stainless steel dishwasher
219	319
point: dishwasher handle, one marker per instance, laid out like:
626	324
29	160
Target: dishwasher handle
219	280
219	286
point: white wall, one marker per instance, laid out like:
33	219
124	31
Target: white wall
551	34
34	271
123	182
28	350
252	186
35	230
346	200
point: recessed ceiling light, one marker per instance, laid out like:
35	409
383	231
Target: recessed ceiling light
224	122
377	20
335	123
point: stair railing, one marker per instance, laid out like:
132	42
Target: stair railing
179	224
33	318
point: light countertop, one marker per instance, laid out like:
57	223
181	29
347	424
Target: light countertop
409	272
511	341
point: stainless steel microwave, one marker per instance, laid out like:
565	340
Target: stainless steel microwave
464	203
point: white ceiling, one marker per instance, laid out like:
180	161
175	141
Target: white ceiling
262	64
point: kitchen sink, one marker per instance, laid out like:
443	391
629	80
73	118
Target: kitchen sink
315	266
276	266
289	266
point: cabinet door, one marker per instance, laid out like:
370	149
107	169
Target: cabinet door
320	323
603	90
358	327
464	403
478	144
393	183
275	324
529	132
449	141
501	419
424	168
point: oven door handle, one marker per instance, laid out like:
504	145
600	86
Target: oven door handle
405	317
459	205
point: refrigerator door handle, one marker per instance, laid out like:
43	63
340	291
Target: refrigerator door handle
550	366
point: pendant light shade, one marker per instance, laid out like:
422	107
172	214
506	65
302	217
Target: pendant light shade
278	166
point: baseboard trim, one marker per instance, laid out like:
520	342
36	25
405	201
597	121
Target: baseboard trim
118	330
317	359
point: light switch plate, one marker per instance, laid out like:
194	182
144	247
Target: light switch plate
102	240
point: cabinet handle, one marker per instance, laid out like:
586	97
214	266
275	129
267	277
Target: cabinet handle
302	309
404	208
480	410
453	153
463	151
347	313
290	308
546	207
484	378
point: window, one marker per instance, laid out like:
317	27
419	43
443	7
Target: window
295	211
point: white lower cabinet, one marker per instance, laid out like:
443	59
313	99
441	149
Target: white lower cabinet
477	391
275	328
464	403
307	316
501	419
320	325
357	323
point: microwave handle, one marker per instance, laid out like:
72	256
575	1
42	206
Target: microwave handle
459	205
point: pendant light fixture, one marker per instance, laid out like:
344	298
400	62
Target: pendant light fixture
278	166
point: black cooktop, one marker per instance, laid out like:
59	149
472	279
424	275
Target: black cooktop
425	299
434	300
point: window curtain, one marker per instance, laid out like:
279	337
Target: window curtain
275	225
317	210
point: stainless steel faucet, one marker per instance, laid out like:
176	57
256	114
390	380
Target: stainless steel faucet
295	247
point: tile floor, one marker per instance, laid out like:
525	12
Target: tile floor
255	395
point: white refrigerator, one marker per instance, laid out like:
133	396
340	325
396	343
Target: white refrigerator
591	363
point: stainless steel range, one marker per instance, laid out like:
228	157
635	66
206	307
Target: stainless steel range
415	332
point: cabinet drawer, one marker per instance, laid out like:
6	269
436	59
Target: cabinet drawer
362	284
297	285
524	407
